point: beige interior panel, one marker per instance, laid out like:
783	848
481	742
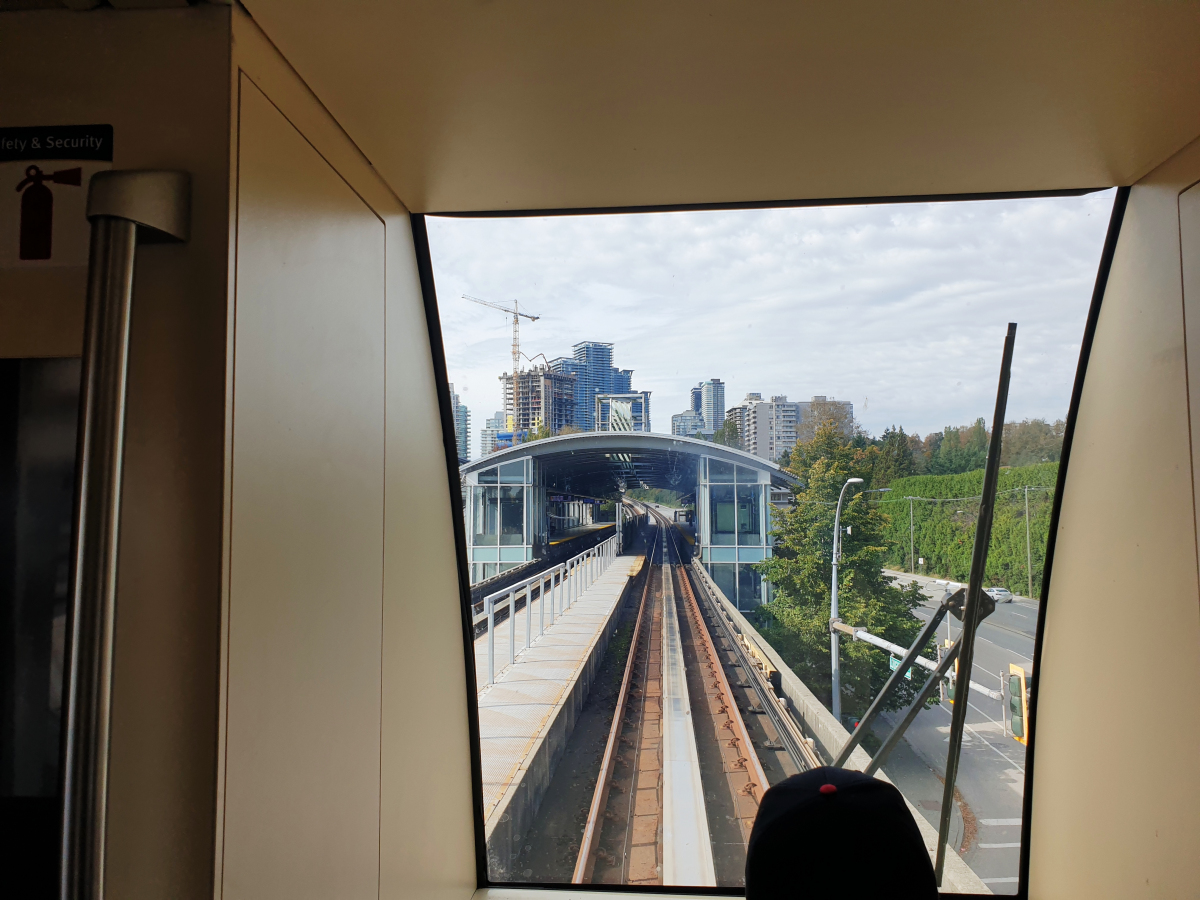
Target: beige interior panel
1189	254
306	556
426	824
463	105
1116	802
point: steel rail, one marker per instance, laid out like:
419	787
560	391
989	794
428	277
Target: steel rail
585	863
746	760
797	746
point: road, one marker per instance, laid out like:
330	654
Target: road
992	767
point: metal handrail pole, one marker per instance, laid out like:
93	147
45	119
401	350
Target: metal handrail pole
491	614
119	204
528	614
542	605
512	627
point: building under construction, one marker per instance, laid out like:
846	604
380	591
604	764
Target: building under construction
544	398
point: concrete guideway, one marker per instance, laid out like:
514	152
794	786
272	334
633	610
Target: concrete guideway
527	714
687	847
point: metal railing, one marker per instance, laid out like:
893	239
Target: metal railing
557	588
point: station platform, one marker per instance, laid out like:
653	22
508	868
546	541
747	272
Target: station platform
527	714
565	537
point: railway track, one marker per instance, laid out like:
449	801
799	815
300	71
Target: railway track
693	746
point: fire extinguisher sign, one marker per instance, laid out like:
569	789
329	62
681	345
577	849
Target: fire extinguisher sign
44	173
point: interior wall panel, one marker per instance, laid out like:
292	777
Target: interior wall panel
161	78
301	797
425	811
1116	802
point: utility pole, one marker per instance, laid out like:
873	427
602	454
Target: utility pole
1028	550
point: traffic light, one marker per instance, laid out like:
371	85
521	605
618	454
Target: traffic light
1018	703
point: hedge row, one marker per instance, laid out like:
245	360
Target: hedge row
944	520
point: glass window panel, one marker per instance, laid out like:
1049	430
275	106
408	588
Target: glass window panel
720	471
724	575
512	515
513	472
485	515
723	504
749	587
749	527
735	526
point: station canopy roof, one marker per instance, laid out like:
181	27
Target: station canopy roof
600	463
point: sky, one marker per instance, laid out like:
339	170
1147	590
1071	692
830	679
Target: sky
899	308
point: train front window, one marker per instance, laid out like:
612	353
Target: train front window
668	425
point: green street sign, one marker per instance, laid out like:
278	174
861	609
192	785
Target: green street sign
895	664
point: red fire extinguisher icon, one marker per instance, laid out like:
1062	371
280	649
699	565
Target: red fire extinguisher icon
37	209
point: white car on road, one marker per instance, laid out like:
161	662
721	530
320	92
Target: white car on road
999	594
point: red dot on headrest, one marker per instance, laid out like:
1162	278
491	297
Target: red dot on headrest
829	789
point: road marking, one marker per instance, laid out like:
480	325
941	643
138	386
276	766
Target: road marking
1001	647
1000	822
998	751
1015	846
1011	879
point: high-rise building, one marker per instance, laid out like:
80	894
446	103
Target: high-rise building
462	427
770	429
492	427
712	401
594	374
688	423
544	399
623	412
737	415
697	398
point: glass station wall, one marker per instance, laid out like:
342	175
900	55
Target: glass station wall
505	519
733	521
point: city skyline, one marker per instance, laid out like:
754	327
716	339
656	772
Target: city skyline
899	309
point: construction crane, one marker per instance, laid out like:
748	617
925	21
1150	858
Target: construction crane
516	314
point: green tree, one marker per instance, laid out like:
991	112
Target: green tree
661	496
894	460
796	621
727	435
960	450
1032	441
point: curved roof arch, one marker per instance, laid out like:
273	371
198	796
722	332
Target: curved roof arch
597	463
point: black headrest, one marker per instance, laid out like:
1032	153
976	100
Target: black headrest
834	834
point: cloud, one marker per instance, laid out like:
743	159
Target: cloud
898	308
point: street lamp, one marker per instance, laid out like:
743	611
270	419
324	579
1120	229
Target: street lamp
833	601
